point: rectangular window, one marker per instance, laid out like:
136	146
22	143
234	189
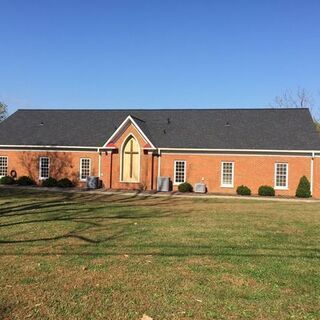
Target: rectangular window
85	168
227	172
44	168
3	166
281	176
179	171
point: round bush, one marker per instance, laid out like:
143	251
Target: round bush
25	181
50	182
65	183
185	187
7	180
243	191
303	190
266	191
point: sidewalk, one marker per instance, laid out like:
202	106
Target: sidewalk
164	194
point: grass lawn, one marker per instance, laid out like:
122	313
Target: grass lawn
85	256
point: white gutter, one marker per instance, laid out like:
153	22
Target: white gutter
239	150
108	148
165	149
46	146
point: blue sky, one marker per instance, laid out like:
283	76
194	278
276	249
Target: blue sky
156	53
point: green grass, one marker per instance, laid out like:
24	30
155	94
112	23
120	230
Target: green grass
85	256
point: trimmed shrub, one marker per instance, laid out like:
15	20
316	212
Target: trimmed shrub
243	191
50	182
25	181
7	180
65	183
266	191
303	189
185	187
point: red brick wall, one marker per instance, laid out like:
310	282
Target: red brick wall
62	164
316	174
252	171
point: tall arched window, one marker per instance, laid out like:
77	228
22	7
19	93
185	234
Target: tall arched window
131	160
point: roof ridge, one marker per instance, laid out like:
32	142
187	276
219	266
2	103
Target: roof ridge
164	109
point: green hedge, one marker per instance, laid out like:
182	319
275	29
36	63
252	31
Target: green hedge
50	182
25	181
7	180
243	191
303	189
266	191
65	183
185	187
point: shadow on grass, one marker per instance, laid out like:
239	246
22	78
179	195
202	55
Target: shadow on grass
82	209
164	254
71	199
87	211
5	310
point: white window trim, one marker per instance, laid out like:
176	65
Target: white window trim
7	164
40	177
80	171
174	172
223	185
286	187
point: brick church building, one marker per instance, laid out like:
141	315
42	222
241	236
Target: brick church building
130	149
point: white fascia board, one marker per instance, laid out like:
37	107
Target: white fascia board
46	147
129	119
107	148
239	150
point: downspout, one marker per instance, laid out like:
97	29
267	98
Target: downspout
110	182
311	172
159	162
99	164
152	172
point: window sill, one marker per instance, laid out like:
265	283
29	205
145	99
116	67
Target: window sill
229	186
129	181
281	188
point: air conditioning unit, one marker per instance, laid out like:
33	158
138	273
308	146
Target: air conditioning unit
200	187
163	184
92	182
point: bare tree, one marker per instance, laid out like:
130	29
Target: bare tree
317	125
3	111
300	98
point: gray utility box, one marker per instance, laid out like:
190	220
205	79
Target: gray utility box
92	182
163	184
200	187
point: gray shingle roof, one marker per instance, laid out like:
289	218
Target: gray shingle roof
266	129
